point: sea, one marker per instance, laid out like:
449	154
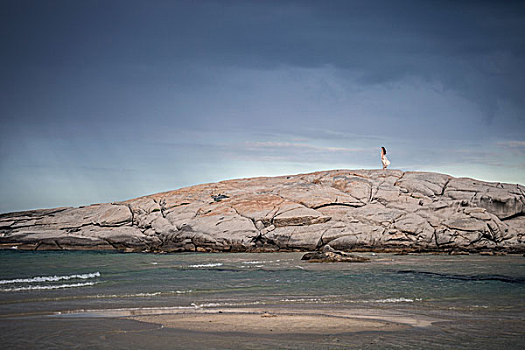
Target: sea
76	300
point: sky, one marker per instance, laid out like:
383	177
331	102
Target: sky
109	100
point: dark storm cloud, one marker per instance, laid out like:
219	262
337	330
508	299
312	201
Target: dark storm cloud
474	47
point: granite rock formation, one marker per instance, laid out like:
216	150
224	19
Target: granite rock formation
352	210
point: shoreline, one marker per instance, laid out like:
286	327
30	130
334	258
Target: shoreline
499	251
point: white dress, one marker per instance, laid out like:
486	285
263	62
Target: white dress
385	161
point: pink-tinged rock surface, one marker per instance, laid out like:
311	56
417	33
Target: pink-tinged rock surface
352	210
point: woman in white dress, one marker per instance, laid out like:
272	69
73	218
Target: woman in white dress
384	159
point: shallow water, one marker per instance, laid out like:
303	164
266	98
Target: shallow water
476	301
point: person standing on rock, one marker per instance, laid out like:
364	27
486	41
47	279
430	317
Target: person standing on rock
384	159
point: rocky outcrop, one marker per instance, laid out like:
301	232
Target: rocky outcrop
352	210
328	255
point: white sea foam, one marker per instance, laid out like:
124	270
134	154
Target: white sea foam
315	300
198	306
382	301
145	294
58	286
391	300
206	265
183	291
50	278
211	305
254	262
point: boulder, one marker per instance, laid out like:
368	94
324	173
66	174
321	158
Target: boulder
329	255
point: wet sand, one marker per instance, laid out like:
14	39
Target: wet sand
267	323
268	320
128	332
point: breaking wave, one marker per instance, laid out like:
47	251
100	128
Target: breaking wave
223	304
143	294
206	265
50	278
34	283
391	300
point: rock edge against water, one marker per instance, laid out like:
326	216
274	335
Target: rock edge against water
328	255
352	210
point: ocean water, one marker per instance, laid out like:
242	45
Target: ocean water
65	299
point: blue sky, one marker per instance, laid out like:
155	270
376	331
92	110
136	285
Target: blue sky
109	100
